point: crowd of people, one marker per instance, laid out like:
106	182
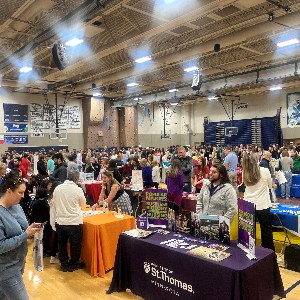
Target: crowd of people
53	197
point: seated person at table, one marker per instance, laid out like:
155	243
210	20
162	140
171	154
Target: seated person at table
93	167
217	197
113	192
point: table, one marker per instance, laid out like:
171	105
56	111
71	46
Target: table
92	189
289	216
155	271
100	238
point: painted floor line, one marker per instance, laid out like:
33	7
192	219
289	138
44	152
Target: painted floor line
292	286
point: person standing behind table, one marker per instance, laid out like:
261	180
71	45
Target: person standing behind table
127	170
93	167
14	231
230	163
186	167
200	172
60	171
50	164
146	173
155	173
286	167
258	181
175	184
218	196
68	199
113	192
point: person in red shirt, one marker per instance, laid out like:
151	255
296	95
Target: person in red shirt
18	164
26	163
200	172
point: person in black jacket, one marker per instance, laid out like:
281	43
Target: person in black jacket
39	212
60	171
41	167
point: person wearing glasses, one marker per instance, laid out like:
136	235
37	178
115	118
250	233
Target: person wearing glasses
14	231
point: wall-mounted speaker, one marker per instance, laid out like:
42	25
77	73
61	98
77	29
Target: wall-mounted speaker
217	47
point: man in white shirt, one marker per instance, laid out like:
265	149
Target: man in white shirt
68	199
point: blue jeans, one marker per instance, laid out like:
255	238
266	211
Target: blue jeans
286	187
13	288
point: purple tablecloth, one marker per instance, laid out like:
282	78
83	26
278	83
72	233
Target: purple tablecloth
155	271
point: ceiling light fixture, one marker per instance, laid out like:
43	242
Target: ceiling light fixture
97	94
190	69
143	59
25	69
173	90
174	103
132	84
74	42
212	98
275	88
288	43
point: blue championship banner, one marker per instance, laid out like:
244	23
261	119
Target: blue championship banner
13	127
15	139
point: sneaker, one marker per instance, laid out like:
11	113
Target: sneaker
54	260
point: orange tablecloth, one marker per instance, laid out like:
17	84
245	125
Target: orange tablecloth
100	238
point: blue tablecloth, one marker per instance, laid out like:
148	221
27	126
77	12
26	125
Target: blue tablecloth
289	216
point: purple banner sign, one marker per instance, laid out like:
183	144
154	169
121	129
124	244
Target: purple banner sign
246	222
157	206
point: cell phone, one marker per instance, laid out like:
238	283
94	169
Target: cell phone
41	224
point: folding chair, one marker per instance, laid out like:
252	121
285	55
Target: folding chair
277	219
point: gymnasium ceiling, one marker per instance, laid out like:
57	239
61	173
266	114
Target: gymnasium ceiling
176	34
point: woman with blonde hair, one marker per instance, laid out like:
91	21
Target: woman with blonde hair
155	173
175	183
3	168
258	181
113	193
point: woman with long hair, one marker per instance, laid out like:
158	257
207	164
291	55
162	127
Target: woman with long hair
14	231
258	181
113	193
175	183
200	172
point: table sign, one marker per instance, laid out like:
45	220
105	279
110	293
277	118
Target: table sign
251	254
142	222
246	223
137	180
157	207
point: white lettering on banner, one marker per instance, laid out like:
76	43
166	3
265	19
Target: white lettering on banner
163	274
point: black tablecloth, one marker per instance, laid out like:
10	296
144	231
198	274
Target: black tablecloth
155	271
